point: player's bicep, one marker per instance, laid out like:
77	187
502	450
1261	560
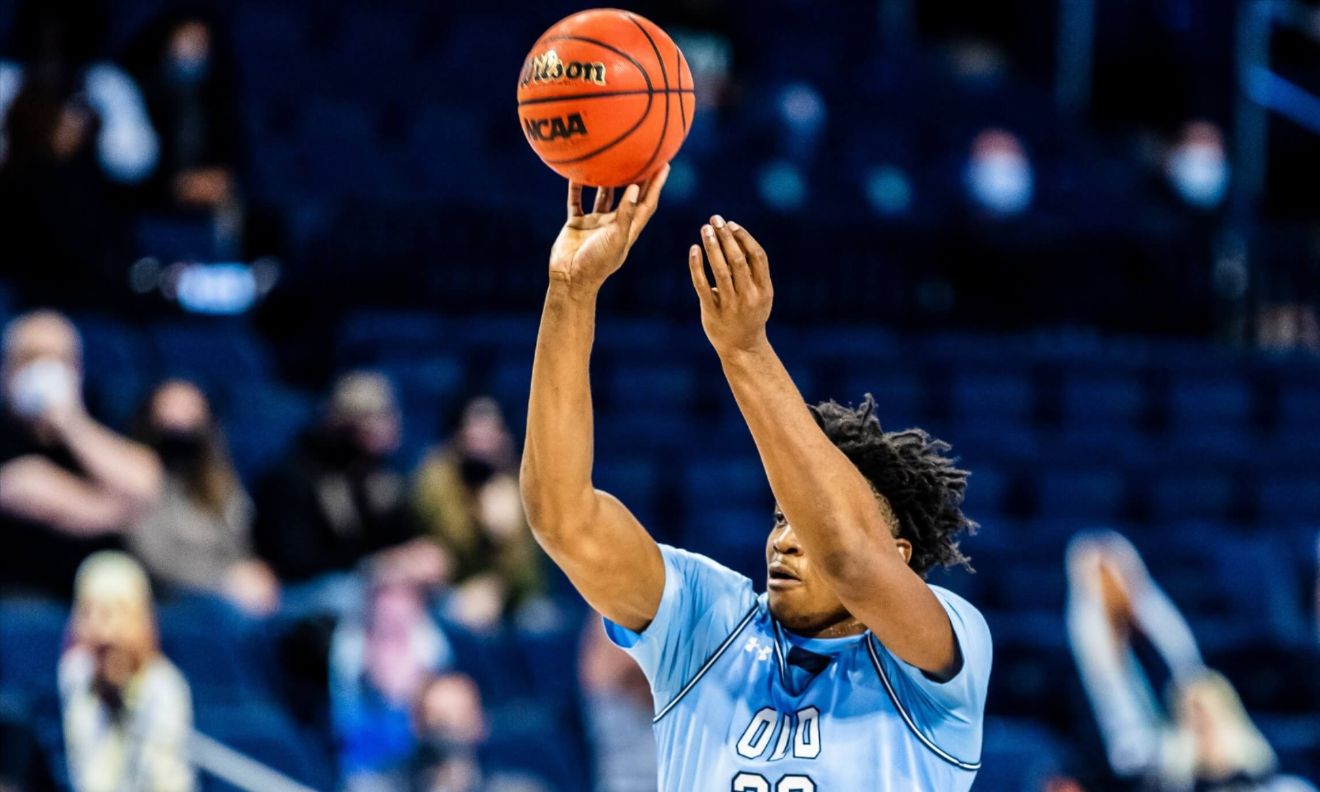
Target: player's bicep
613	563
907	617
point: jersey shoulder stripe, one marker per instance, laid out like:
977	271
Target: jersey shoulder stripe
911	724
742	625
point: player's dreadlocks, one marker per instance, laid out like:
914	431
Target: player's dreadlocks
910	470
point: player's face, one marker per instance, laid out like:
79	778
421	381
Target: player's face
799	597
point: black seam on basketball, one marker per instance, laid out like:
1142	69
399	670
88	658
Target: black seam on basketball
678	53
602	95
664	128
678	76
650	100
613	49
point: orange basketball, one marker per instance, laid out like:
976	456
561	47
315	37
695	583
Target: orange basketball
605	97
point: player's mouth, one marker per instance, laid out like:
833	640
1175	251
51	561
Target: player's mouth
781	577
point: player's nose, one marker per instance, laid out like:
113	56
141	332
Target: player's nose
785	541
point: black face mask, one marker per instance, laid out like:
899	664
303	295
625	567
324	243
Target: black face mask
180	452
475	472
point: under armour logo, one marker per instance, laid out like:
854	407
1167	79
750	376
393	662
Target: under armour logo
762	650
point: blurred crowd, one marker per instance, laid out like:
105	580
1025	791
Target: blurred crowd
152	154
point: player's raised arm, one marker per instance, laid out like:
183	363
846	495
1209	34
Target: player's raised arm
598	543
839	520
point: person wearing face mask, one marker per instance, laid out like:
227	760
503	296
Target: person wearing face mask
467	495
68	485
127	709
336	504
1197	168
999	177
188	82
198	536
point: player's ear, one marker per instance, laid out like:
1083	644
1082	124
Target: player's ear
904	549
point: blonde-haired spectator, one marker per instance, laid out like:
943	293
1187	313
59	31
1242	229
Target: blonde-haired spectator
127	709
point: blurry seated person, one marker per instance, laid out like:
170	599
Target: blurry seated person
127	709
73	132
1220	749
336	504
380	660
467	495
199	535
617	709
187	76
68	485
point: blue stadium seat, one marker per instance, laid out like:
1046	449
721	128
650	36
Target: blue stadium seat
646	431
1018	754
262	422
217	355
1210	402
261	731
31	640
1288	499
367	338
730	482
987	492
633	387
205	638
1192	494
733	537
634	480
996	396
1299	408
1098	494
900	396
1103	400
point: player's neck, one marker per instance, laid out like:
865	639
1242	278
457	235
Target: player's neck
843	628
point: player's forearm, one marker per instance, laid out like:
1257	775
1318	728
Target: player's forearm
557	455
828	502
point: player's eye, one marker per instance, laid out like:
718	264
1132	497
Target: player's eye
779	519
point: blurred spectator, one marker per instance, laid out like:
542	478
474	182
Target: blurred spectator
1111	597
184	66
199	535
1225	751
1197	167
451	726
999	177
336	503
380	662
127	709
467	495
617	708
68	485
73	126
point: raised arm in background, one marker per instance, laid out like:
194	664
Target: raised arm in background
839	520
604	550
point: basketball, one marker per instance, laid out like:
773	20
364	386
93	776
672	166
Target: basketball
605	98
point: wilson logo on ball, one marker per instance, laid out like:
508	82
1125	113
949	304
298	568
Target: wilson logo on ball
554	128
548	68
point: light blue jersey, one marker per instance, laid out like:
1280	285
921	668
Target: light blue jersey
742	705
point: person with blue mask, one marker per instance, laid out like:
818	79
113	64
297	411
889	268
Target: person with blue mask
1197	168
850	671
999	177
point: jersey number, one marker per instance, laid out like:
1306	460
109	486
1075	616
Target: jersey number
752	782
801	729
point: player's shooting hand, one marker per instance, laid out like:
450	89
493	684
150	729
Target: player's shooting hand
733	311
592	246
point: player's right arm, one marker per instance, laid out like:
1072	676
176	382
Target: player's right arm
607	554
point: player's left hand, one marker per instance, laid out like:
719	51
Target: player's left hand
734	311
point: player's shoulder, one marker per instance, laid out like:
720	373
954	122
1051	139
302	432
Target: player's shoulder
968	622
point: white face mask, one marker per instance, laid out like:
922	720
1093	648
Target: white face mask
43	384
1001	182
1199	174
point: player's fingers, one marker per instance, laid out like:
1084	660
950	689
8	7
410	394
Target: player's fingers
574	199
733	254
652	187
604	199
628	209
698	272
718	266
758	260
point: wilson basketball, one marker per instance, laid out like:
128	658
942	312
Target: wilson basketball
605	97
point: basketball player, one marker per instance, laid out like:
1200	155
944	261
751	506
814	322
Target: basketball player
851	672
